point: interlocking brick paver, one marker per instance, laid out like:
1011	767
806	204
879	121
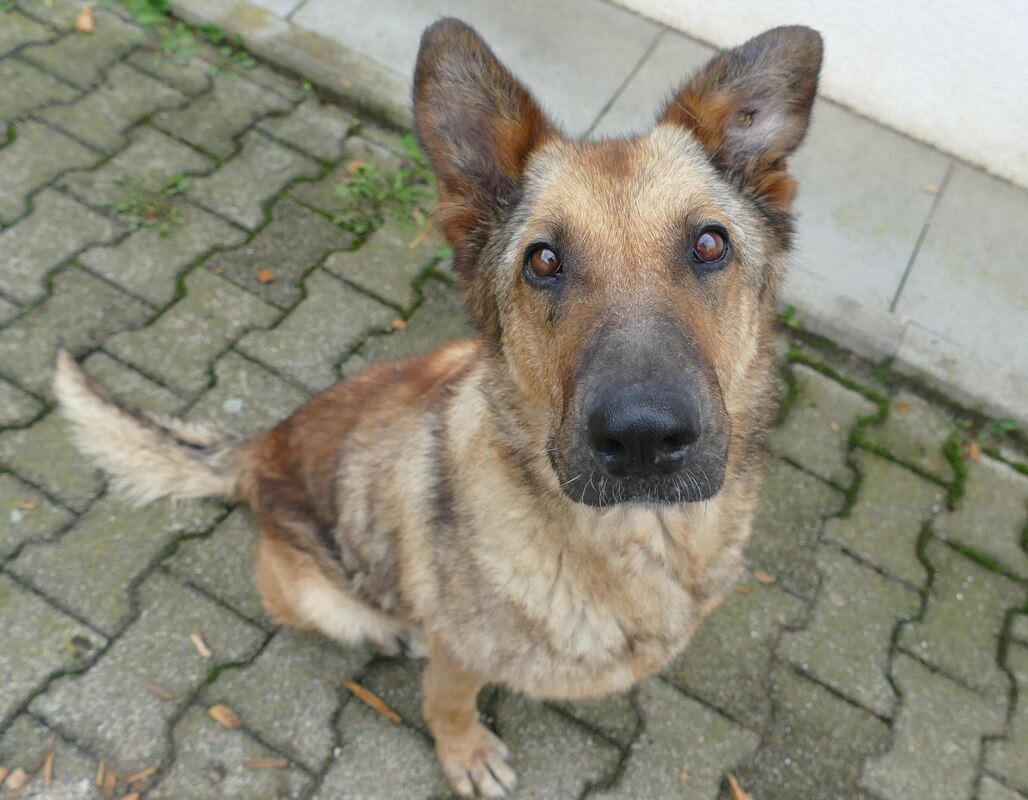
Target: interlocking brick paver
109	708
81	312
27	88
817	428
847	643
129	387
93	566
180	345
57	227
187	73
316	335
615	715
240	188
1006	756
16	406
937	737
991	789
17	30
963	619
39	641
680	735
992	514
83	60
1019	628
8	310
727	662
317	128
26	515
296	714
25	744
915	432
323	194
216	118
276	248
885	522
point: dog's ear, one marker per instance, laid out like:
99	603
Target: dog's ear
750	107
477	124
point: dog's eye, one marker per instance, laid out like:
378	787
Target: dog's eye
710	246
542	262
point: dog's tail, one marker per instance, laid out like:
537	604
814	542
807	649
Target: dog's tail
146	456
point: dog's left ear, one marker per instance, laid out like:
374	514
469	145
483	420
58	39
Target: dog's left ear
750	107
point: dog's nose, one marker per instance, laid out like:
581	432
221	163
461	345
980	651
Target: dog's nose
642	430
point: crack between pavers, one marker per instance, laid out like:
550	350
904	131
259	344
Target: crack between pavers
628	79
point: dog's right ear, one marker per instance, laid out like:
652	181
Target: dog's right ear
478	125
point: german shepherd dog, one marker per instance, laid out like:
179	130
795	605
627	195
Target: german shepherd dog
556	504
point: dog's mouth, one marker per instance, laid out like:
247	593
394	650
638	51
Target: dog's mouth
597	487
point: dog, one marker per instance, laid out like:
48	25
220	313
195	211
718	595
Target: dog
555	505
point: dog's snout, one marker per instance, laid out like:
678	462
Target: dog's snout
641	430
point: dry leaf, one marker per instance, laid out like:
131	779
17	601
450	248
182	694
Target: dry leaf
372	700
24	505
904	320
265	276
110	783
267	763
834	426
398	325
743	589
903	408
201	646
100	770
420	237
48	768
17	780
763	577
160	691
130	796
142	775
684	775
930	188
3	774
351	167
224	716
974	452
84	19
735	791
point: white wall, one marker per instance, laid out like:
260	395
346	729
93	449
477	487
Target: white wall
950	72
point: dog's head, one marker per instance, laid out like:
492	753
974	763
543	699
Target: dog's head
627	284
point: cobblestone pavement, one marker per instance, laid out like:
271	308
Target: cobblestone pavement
878	650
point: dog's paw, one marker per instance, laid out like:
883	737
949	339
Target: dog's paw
475	764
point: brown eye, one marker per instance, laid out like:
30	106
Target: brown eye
543	263
710	246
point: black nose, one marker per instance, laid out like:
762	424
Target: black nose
641	429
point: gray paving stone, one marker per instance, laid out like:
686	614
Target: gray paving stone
314	127
277	248
241	187
848	640
386	264
398	682
614	715
814	746
221	564
992	514
211	761
792	510
59	14
1019	628
680	734
215	119
295	715
57	227
816	431
323	195
915	432
959	633
103	116
17	30
8	311
93	567
83	60
25	744
27	88
179	347
26	515
81	312
937	738
990	789
129	387
727	662
39	641
885	521
109	710
187	73
317	335
1005	757
16	406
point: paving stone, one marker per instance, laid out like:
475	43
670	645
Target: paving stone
847	642
963	619
83	60
26	515
727	661
81	312
440	318
27	88
317	334
150	160
241	187
814	746
915	432
109	710
129	387
102	117
222	564
32	248
992	514
680	734
816	431
17	30
211	761
248	398
1006	756
322	194
180	345
398	682
990	789
39	641
215	119
885	522
92	567
277	248
614	715
315	127
16	406
44	455
1019	628
25	744
8	311
792	510
290	693
937	737
187	73
386	265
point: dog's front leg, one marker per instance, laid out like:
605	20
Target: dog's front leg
473	758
